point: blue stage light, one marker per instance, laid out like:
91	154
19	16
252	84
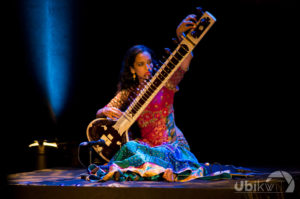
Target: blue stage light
48	27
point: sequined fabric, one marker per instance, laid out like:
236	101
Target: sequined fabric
153	122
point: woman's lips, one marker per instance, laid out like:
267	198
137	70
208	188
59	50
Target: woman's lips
147	75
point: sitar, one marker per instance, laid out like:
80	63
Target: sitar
114	133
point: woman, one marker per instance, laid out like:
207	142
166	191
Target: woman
162	151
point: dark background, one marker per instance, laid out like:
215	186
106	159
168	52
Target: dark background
236	104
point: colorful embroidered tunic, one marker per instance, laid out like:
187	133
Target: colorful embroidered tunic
162	152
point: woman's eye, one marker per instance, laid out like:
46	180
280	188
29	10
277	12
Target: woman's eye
140	64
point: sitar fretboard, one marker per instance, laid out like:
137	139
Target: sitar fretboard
165	72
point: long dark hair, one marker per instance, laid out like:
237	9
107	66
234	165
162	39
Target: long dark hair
126	78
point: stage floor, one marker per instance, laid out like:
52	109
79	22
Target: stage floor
67	183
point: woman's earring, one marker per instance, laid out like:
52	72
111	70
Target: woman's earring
133	76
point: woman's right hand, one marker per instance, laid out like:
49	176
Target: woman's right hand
110	112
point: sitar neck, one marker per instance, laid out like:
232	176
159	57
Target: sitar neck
165	72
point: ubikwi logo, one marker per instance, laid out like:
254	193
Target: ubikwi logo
286	184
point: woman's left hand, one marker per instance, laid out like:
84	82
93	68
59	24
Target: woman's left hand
188	23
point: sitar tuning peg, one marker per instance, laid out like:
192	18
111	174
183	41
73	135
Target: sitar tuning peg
161	62
166	54
167	51
156	66
199	12
175	41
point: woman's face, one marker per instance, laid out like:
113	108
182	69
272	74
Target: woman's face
142	66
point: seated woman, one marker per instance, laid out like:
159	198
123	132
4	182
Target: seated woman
161	152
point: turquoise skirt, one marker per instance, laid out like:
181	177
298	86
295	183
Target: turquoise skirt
138	161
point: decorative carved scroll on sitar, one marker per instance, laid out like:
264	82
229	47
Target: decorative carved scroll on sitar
115	133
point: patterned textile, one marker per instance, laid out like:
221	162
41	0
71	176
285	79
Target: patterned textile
136	161
162	152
